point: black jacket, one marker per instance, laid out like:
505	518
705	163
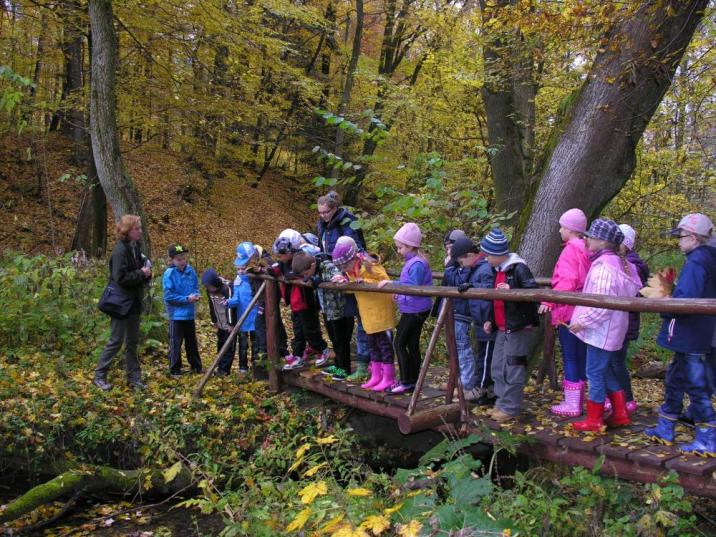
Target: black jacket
125	268
519	315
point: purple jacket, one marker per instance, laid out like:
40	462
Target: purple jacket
416	271
634	318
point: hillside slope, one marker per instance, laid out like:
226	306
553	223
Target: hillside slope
40	198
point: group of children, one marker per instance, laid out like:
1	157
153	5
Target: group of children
598	260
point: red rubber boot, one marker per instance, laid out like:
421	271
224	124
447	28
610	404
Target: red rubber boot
594	421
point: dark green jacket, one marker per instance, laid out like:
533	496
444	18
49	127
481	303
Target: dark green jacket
125	268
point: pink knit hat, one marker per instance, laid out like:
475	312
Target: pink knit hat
574	220
409	234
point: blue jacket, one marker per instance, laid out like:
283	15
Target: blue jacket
692	333
240	300
339	226
472	311
177	287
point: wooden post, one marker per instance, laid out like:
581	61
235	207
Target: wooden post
271	310
426	361
548	366
229	342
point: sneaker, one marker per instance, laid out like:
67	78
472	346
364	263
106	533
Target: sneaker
198	371
339	374
323	357
138	385
398	388
221	373
176	374
295	363
102	384
243	370
499	416
330	370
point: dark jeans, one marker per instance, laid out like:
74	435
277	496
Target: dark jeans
183	331
687	374
380	346
483	371
340	331
407	345
621	371
122	331
574	355
307	330
244	339
228	358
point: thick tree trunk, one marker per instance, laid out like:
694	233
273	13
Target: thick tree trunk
509	94
595	153
96	479
113	175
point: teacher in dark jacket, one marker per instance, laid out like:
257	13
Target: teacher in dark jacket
131	271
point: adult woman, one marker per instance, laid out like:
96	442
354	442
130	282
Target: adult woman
130	270
335	222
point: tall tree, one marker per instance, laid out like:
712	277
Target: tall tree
111	171
509	96
594	154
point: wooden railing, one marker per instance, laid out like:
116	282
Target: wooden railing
414	421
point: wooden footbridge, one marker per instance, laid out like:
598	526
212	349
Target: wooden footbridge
626	452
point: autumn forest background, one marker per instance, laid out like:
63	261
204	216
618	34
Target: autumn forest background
221	121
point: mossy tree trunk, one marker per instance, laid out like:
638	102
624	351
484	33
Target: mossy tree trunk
595	152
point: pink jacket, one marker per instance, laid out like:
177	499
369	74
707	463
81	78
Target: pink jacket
604	328
569	275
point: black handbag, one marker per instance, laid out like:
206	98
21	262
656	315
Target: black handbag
115	302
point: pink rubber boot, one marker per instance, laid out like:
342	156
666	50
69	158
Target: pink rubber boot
376	375
572	404
388	378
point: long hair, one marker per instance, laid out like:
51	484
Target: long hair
125	225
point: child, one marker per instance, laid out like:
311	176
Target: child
569	274
603	330
315	269
223	318
690	337
642	269
260	263
413	309
181	291
474	370
377	310
240	299
307	339
514	322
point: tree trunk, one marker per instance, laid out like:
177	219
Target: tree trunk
508	94
91	230
94	479
113	175
350	77
595	153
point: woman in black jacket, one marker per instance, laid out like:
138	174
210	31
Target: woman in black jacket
131	271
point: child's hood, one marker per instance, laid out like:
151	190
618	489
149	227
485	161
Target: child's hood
512	260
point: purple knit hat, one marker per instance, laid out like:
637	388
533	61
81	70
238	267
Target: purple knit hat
409	234
574	220
344	251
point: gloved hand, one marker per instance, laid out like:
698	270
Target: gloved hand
463	287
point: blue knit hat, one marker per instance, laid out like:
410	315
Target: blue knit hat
495	243
244	252
210	277
606	230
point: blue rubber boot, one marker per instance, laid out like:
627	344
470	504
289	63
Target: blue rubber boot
664	430
704	444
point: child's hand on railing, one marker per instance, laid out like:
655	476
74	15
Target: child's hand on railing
383	283
487	327
544	308
339	278
502	285
576	327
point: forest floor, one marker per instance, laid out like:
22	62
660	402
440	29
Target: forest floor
41	189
